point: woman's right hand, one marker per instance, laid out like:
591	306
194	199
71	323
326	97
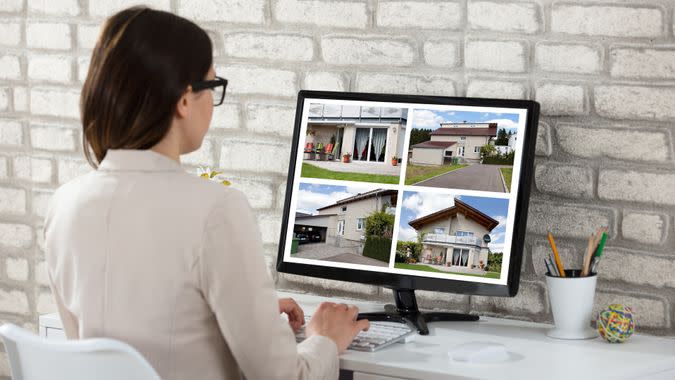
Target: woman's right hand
337	322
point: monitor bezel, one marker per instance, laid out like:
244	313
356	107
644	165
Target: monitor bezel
407	281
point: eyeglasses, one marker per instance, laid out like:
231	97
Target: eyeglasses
218	86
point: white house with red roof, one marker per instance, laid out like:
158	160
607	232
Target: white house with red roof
454	140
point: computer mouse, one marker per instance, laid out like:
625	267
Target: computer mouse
479	352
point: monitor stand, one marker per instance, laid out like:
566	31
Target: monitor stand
406	311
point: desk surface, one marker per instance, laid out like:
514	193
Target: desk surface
534	355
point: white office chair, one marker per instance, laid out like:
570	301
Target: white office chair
34	358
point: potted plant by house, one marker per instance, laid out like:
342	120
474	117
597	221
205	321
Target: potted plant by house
394	161
346	157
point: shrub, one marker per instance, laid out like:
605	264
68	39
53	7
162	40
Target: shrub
377	247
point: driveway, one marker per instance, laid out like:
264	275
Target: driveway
473	177
327	252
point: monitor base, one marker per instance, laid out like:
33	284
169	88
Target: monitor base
406	311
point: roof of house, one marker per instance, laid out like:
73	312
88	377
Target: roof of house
435	144
478	216
458	131
361	196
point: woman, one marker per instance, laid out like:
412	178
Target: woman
141	251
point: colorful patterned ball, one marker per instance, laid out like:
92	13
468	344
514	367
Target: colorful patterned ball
616	323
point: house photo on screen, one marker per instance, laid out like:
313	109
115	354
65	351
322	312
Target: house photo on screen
347	224
354	142
458	149
454	234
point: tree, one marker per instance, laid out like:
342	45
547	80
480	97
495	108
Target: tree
487	150
380	223
502	137
419	135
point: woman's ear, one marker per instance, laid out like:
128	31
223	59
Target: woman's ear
182	109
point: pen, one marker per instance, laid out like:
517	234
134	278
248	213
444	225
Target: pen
558	263
598	253
548	269
551	264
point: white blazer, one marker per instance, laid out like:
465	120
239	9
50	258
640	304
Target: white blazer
141	251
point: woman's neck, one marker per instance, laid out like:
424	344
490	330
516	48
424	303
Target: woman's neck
169	147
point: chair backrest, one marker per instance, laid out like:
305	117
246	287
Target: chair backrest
34	358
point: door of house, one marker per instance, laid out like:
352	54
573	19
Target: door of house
341	228
460	257
370	144
460	151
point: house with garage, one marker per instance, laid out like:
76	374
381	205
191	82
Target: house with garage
457	236
462	140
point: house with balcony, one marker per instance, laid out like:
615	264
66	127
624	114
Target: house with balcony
457	237
462	140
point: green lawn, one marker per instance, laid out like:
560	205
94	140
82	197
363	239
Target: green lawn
417	173
311	171
506	173
426	268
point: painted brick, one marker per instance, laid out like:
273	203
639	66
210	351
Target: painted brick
322	13
11	6
564	180
45	303
14	301
606	20
642	63
52	137
12	200
33	169
3	168
41	276
509	56
543	147
40	204
488	88
323	287
11	132
270	227
20	99
419	14
570	220
17	268
635	102
87	36
561	99
571	255
406	84
54	7
637	186
270	119
258	193
10	67
55	102
82	68
10	33
605	142
286	47
568	58
253	80
530	299
107	8
49	68
40	239
371	51
15	236
442	53
202	156
281	195
226	116
48	35
324	81
644	269
649	311
504	17
250	11
643	227
5	95
70	169
245	154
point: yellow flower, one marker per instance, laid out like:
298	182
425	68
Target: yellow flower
207	173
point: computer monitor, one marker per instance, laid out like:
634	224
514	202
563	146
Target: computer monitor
409	192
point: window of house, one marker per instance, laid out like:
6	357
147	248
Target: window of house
341	227
464	233
476	149
344	208
439	230
448	153
360	223
462	138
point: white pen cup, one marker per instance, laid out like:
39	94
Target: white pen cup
572	300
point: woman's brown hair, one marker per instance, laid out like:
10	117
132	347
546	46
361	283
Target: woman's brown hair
142	63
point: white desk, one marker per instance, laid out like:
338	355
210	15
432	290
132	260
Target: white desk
536	355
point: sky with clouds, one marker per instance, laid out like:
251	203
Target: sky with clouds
432	119
312	196
418	204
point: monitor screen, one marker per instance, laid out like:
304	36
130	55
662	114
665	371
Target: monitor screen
421	192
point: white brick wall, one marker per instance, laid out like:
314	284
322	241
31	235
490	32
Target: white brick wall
603	72
419	14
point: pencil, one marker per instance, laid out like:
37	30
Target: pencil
558	263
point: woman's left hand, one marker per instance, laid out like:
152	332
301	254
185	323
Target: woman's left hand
296	317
